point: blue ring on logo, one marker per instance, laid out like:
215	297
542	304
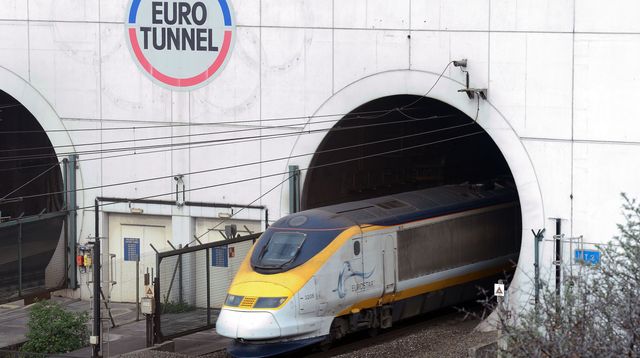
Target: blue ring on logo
134	11
223	5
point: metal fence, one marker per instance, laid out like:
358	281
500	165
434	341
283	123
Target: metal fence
33	257
192	284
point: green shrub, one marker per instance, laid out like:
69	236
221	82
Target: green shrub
176	307
54	330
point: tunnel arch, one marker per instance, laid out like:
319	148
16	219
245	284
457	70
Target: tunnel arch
489	118
34	106
429	143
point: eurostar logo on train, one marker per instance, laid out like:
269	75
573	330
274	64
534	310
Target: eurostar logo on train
181	45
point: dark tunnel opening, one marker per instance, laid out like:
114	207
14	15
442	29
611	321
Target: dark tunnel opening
441	145
32	255
25	153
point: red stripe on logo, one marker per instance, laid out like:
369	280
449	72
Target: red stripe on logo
180	82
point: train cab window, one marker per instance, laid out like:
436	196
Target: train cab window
356	248
282	249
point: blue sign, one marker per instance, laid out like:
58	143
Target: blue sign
131	249
219	256
588	257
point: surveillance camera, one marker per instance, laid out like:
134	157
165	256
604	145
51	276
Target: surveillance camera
460	63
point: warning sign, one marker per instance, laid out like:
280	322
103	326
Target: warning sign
148	291
498	289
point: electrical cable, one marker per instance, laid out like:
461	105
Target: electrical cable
134	140
30	181
177	124
198	237
384	112
246	164
214	141
217	123
305	169
284	173
430	89
189	145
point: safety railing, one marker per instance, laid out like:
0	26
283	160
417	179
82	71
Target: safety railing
191	285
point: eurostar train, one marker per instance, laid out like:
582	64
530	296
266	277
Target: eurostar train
317	275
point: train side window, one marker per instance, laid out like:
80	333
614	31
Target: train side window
356	248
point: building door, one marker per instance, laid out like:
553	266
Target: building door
124	268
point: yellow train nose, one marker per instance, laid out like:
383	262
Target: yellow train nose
257	294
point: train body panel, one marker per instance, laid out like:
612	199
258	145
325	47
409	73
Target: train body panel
330	271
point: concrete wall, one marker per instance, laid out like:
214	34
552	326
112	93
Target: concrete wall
561	76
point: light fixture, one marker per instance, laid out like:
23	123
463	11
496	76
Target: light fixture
224	215
136	210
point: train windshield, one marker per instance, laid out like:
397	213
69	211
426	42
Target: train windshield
281	249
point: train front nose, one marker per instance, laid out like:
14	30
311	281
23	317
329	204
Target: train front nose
255	325
250	311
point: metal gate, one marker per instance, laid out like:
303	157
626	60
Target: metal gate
31	261
191	285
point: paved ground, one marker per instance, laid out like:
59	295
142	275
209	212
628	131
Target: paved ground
128	336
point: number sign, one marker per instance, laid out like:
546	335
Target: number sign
587	257
219	257
131	249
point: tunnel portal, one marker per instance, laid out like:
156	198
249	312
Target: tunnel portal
428	143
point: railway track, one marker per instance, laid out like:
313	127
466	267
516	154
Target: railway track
447	332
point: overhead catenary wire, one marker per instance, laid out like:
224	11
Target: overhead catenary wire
192	124
186	145
355	115
198	237
30	181
236	166
305	169
284	173
420	98
189	135
183	146
212	142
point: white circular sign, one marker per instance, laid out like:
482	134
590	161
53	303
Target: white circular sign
180	45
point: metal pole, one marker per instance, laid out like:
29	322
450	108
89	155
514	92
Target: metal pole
20	259
67	252
148	317
157	333
558	260
138	289
180	298
73	218
537	238
96	284
294	188
206	265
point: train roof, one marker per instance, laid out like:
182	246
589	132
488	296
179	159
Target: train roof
401	208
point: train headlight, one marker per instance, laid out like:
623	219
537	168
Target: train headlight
269	302
233	300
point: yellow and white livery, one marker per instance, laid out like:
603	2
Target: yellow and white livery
317	275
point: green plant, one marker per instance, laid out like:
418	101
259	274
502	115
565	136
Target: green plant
54	330
598	311
176	307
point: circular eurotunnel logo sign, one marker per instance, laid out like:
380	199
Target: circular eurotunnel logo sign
181	45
